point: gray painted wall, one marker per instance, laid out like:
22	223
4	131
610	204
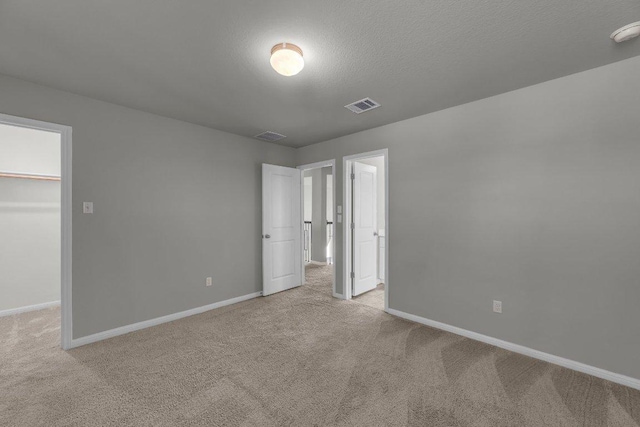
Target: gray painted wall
173	202
307	190
530	197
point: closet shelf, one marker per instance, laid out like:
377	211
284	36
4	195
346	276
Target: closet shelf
41	177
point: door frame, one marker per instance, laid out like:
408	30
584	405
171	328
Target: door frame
66	324
303	168
347	199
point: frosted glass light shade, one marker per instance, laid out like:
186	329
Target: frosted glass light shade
287	59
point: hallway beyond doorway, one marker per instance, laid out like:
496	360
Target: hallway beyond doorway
319	278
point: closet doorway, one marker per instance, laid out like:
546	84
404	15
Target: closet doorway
35	222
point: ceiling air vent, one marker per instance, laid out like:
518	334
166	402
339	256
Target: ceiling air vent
270	136
362	105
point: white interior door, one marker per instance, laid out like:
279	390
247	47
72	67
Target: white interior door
281	229
365	222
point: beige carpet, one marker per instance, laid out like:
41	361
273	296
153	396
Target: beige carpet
298	358
319	277
374	298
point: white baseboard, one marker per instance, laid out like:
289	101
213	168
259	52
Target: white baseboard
516	348
24	309
339	296
77	342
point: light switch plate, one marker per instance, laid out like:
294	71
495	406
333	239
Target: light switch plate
87	207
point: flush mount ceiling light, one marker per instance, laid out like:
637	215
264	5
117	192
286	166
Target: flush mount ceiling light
286	59
626	33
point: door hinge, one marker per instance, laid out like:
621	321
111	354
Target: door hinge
353	225
353	176
353	275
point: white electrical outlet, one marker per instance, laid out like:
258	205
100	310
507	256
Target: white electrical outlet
497	306
209	281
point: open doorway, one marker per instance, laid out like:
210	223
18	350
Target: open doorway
366	229
318	242
35	224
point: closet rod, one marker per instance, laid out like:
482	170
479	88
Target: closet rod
29	176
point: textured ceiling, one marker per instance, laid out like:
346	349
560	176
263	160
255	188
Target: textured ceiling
207	62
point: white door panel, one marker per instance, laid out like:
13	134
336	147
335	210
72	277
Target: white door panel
281	228
365	225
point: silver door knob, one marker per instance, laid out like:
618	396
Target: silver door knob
267	236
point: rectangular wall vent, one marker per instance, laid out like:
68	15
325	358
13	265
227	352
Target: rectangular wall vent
270	136
362	105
